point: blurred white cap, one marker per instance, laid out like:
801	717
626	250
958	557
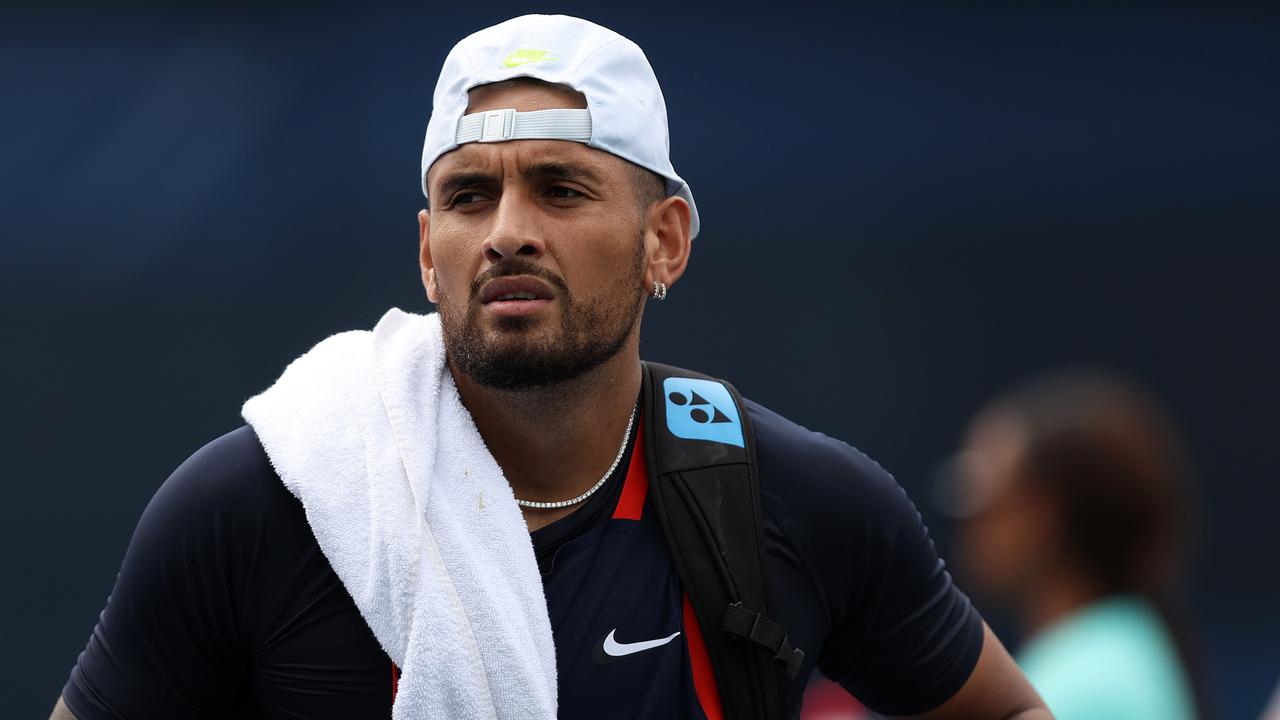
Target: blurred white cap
625	114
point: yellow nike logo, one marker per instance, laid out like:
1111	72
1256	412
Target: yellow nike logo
524	56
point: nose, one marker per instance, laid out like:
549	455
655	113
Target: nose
514	231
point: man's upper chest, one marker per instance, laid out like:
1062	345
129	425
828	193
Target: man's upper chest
616	605
617	617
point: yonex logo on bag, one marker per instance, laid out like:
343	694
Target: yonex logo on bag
702	410
524	56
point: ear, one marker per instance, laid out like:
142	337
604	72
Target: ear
667	241
424	256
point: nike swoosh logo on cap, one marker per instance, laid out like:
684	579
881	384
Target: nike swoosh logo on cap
611	649
524	56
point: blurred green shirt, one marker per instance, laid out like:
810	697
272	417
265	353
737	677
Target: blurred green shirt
1112	660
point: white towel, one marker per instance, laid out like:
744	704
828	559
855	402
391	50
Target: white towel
415	516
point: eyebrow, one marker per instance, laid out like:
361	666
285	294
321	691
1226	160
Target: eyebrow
548	170
563	171
459	180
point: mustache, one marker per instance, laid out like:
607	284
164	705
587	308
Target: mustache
518	266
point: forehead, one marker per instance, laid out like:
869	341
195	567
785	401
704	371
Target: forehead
996	445
522	154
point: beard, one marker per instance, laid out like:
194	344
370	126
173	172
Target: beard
511	357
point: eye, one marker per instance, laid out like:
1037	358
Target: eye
467	198
563	192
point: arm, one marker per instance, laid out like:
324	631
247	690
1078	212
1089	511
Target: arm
60	711
995	689
907	642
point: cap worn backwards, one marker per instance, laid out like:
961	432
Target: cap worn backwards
625	114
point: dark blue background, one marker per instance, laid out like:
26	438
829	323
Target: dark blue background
904	208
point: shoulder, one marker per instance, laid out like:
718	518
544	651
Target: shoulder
230	474
815	480
228	521
204	581
899	635
217	501
1114	655
1123	629
847	521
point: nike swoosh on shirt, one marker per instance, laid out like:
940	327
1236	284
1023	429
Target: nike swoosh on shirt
610	650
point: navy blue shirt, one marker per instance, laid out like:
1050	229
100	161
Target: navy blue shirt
225	606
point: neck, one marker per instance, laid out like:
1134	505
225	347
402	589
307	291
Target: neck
555	442
1056	596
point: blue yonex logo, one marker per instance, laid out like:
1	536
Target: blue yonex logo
702	410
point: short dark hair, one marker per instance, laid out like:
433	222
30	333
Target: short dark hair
1115	464
650	187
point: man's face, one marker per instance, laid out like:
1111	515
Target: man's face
1008	541
533	250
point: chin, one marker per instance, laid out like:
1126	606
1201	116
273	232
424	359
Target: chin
507	325
520	340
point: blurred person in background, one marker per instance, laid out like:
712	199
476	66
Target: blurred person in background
1072	494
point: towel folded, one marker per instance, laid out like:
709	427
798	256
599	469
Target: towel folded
415	516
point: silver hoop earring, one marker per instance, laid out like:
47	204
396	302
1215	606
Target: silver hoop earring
659	290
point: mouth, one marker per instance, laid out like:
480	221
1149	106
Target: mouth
516	296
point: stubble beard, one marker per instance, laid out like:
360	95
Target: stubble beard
509	356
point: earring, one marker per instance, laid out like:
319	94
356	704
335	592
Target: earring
659	290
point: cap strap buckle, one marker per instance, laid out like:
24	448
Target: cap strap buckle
497	125
507	124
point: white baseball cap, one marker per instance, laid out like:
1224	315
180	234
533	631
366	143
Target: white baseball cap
625	113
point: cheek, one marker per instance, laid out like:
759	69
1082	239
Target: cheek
599	264
1000	548
454	267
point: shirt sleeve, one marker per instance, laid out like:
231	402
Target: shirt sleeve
167	643
895	631
908	638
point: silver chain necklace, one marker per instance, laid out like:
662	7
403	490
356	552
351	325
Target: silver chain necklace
626	438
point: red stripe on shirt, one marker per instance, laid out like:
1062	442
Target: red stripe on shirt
636	486
704	679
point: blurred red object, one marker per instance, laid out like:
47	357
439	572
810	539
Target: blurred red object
825	700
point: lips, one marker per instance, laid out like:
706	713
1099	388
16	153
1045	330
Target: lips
516	296
519	288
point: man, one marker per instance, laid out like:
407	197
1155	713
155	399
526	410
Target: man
291	569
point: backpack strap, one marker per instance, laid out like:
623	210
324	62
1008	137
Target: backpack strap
704	484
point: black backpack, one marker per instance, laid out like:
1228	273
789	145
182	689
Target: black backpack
705	487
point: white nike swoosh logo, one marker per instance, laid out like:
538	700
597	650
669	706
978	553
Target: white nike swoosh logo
613	648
